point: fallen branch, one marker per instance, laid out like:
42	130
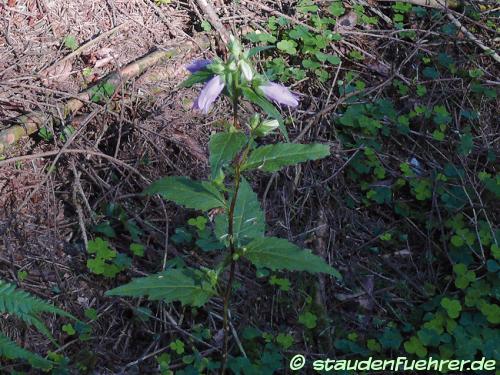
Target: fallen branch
451	4
473	38
209	11
83	47
30	123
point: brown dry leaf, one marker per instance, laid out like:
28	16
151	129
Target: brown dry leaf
379	67
57	73
103	57
347	22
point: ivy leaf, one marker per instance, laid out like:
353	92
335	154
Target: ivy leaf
171	285
248	222
278	254
200	195
391	338
223	148
287	46
272	158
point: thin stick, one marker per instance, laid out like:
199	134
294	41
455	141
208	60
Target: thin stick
473	38
212	16
85	46
30	123
73	151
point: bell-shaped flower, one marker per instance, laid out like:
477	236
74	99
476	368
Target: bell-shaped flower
279	94
210	92
197	65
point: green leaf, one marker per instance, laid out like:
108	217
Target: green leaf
391	338
336	9
288	46
70	42
308	319
206	26
249	221
177	346
278	254
266	106
255	50
137	249
172	285
200	195
452	307
10	350
68	328
197	77
272	158
223	148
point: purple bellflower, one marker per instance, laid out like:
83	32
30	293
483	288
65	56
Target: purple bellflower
279	94
210	92
197	65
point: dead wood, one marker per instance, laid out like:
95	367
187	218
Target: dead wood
30	123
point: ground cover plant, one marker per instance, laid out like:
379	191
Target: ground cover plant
273	180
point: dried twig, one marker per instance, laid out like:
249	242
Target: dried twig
85	46
30	123
212	16
473	38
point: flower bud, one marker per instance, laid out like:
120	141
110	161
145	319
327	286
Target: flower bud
217	68
266	127
232	66
234	46
246	70
254	121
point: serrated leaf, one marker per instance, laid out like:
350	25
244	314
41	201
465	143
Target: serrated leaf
278	254
223	148
200	195
248	222
169	286
272	158
197	77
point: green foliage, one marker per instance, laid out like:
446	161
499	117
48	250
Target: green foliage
238	229
308	319
200	195
70	42
223	148
272	158
104	260
102	91
27	308
10	350
277	254
248	218
184	285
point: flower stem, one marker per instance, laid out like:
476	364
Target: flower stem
235	100
232	251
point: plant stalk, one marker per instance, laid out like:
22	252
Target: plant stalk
232	251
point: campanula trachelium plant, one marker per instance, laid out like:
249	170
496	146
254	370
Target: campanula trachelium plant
239	221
